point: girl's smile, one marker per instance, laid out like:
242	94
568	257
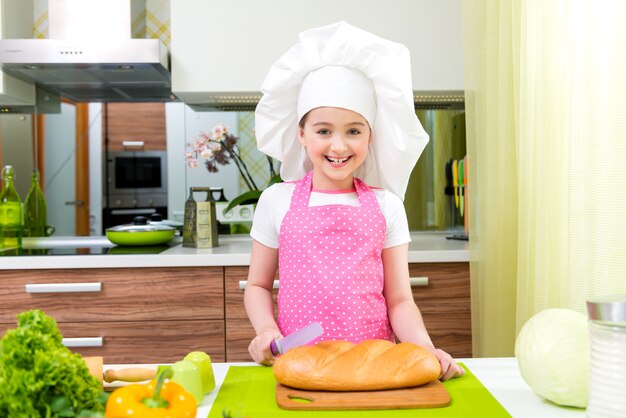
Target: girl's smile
337	143
337	161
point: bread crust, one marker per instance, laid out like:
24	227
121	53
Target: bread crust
345	366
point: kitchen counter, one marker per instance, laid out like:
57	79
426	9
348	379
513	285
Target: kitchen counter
234	250
499	375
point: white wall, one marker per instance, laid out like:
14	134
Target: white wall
95	168
17	148
60	170
229	46
16	21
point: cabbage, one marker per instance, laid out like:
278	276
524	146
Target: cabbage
552	351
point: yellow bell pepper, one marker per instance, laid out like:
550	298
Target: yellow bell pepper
157	399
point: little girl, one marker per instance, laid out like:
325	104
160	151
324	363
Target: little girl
337	111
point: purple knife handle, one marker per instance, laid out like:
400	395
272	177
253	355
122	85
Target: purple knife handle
274	348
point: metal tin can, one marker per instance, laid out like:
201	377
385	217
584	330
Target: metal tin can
607	363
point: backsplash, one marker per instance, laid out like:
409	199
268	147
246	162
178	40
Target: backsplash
427	205
150	19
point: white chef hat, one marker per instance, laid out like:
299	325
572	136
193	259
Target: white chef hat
340	65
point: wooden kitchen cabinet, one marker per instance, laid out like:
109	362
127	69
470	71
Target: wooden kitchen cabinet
144	315
442	294
158	315
129	123
441	291
239	331
154	342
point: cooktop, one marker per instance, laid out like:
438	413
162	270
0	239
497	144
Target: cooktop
87	246
65	251
96	250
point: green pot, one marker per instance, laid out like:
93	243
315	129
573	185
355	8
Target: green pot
140	232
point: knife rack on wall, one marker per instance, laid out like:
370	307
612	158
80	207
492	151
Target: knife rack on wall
427	207
457	189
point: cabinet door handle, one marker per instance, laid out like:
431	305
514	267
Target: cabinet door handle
133	211
63	287
75	202
243	283
83	342
418	281
132	144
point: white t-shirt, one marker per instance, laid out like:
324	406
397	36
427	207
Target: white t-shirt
275	200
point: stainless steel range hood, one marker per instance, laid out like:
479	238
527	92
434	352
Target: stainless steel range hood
126	70
247	101
90	55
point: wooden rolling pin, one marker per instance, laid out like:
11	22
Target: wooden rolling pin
131	374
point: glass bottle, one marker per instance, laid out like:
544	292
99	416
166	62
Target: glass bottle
35	222
607	362
10	215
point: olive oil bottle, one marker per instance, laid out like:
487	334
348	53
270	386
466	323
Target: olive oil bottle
10	215
35	222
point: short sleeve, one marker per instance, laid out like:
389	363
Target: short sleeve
269	213
397	224
263	229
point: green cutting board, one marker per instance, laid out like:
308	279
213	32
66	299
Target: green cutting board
250	391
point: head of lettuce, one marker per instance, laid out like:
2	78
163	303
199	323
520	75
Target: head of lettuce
39	377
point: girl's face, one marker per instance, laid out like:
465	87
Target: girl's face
337	142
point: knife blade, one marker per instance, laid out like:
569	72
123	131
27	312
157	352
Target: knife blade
455	182
461	185
301	337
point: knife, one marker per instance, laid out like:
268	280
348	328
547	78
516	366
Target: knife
461	185
455	182
301	337
465	189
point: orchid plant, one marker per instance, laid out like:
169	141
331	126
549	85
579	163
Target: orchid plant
219	147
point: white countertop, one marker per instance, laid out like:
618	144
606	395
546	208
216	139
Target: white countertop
233	250
500	376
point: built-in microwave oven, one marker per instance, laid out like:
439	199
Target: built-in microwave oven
137	172
135	183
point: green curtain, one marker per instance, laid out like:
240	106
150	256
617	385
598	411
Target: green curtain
545	97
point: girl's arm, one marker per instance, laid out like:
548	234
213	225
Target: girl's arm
404	316
258	301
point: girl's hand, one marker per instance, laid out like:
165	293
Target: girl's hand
260	347
449	368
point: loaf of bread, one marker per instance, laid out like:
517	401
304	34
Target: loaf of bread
345	366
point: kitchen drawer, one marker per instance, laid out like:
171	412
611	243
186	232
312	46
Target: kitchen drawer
235	279
148	342
140	123
442	293
133	294
239	331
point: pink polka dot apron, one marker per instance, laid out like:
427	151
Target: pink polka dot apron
330	267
